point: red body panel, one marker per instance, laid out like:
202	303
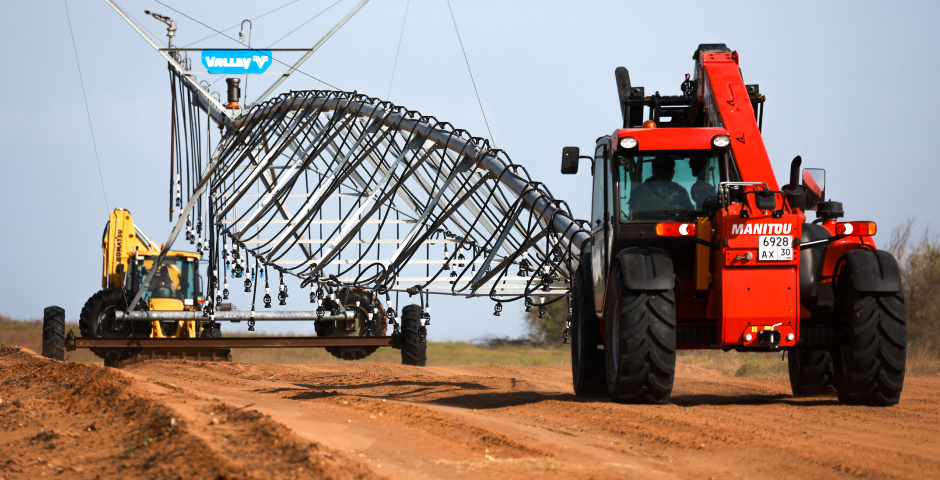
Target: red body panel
836	249
758	298
755	293
668	138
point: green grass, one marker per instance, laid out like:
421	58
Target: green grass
921	360
439	354
28	334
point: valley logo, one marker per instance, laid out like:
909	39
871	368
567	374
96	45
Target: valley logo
236	61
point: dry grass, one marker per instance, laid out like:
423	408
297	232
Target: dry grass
922	360
739	364
28	334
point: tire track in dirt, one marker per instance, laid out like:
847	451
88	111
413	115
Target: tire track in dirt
716	426
87	421
371	420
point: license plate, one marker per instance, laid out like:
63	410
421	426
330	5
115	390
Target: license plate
775	248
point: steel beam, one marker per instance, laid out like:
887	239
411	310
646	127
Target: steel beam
231	342
232	316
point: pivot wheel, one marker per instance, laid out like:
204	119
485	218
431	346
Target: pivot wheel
640	346
810	372
414	337
870	365
211	330
362	303
53	333
588	367
97	320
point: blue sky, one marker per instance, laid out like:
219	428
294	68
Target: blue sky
849	86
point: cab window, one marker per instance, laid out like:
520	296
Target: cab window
667	186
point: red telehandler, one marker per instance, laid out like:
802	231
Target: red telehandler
693	245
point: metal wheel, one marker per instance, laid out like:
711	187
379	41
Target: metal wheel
363	303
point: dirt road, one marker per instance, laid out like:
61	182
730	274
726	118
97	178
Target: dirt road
201	420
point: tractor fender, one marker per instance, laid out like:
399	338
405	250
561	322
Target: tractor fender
646	269
811	259
872	271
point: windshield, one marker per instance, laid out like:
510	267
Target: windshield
671	186
176	278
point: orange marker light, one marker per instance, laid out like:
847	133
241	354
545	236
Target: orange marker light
856	228
649	124
675	229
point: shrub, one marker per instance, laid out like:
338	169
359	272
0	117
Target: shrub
551	328
920	273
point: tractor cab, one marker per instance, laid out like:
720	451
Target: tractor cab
666	185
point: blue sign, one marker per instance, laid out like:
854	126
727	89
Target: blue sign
236	61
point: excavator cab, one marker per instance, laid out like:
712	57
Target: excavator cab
175	287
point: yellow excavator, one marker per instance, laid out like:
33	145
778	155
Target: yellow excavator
128	257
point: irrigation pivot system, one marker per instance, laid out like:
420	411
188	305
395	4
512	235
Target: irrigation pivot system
340	202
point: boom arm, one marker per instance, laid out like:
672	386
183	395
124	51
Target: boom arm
722	92
121	239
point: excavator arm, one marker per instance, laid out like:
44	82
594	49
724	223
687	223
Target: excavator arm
121	240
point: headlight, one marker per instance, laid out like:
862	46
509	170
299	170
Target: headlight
721	141
628	142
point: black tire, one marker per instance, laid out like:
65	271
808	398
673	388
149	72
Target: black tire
811	372
97	321
870	365
640	343
414	342
588	367
168	328
361	300
214	332
53	333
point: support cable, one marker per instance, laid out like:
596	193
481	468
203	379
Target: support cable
107	205
304	24
477	92
401	35
240	24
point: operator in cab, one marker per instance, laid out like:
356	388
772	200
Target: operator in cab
162	284
659	193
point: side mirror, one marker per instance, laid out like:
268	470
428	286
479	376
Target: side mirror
569	160
814	181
